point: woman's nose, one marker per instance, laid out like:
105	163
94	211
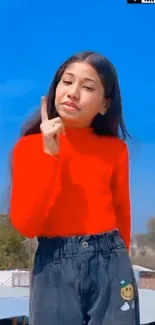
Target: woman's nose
73	93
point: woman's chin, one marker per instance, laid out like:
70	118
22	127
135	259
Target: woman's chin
69	115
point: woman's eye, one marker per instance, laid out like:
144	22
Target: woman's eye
67	82
89	88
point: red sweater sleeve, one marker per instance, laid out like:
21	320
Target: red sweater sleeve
121	194
33	174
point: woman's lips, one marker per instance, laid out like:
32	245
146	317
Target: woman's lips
70	105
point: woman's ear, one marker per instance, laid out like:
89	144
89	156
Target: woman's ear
108	103
106	106
104	110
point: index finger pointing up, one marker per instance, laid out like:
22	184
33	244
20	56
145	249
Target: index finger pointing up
44	114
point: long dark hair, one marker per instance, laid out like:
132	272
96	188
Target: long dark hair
111	123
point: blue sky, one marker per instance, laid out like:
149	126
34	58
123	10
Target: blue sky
36	37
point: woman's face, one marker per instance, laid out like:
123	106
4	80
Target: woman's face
79	95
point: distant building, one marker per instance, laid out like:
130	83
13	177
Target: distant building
147	280
15	278
145	277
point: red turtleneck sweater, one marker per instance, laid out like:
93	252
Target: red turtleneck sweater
83	191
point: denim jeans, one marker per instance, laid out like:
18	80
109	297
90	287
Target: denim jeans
83	280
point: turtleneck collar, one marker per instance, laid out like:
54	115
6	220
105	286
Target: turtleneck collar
79	132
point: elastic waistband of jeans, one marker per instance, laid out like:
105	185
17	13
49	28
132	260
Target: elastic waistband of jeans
80	244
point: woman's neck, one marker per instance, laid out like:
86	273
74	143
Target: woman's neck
76	125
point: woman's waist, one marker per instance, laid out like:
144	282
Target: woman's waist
55	247
73	224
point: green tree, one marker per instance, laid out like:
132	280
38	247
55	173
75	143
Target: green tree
13	254
4	219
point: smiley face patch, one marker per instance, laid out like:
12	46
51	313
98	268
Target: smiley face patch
127	294
127	291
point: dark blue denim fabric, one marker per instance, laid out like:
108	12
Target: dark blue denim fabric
83	280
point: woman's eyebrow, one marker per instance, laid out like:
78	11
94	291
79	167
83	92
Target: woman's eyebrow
86	78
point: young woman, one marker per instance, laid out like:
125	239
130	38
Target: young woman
70	188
